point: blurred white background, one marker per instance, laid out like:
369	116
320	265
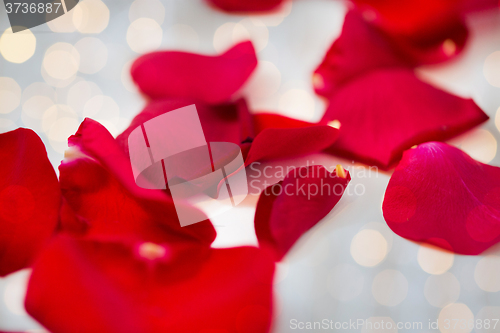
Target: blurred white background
351	266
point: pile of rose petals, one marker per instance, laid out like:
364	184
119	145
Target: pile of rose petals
110	256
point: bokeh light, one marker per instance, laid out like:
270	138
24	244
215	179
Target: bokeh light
368	247
10	95
91	16
434	260
61	61
93	54
264	82
231	33
480	144
17	47
182	37
450	314
80	93
297	103
487	273
491	69
390	287
144	35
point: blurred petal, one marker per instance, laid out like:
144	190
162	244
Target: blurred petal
101	190
29	199
386	112
288	209
116	287
210	79
245	5
440	195
360	48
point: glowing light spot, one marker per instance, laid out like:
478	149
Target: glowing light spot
152	9
453	312
63	23
17	47
297	103
480	144
91	16
449	47
441	290
487	273
80	93
33	111
318	81
10	95
368	248
144	35
231	33
93	55
345	282
264	82
390	287
335	124
61	61
152	251
491	69
434	260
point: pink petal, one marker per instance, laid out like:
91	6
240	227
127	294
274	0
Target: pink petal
290	208
90	285
440	195
29	199
386	112
209	79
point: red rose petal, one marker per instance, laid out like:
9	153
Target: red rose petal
440	195
260	136
108	287
288	209
29	199
360	48
245	5
388	111
101	191
210	79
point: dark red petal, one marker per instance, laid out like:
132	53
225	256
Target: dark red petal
210	79
102	192
29	199
388	111
288	209
96	286
360	48
440	195
245	5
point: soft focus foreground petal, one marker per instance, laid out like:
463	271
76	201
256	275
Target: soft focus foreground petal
29	199
210	79
440	195
360	48
101	191
246	6
96	286
386	112
288	209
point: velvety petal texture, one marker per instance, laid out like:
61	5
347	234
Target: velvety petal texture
102	286
440	195
29	199
246	6
388	111
98	185
210	79
288	209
